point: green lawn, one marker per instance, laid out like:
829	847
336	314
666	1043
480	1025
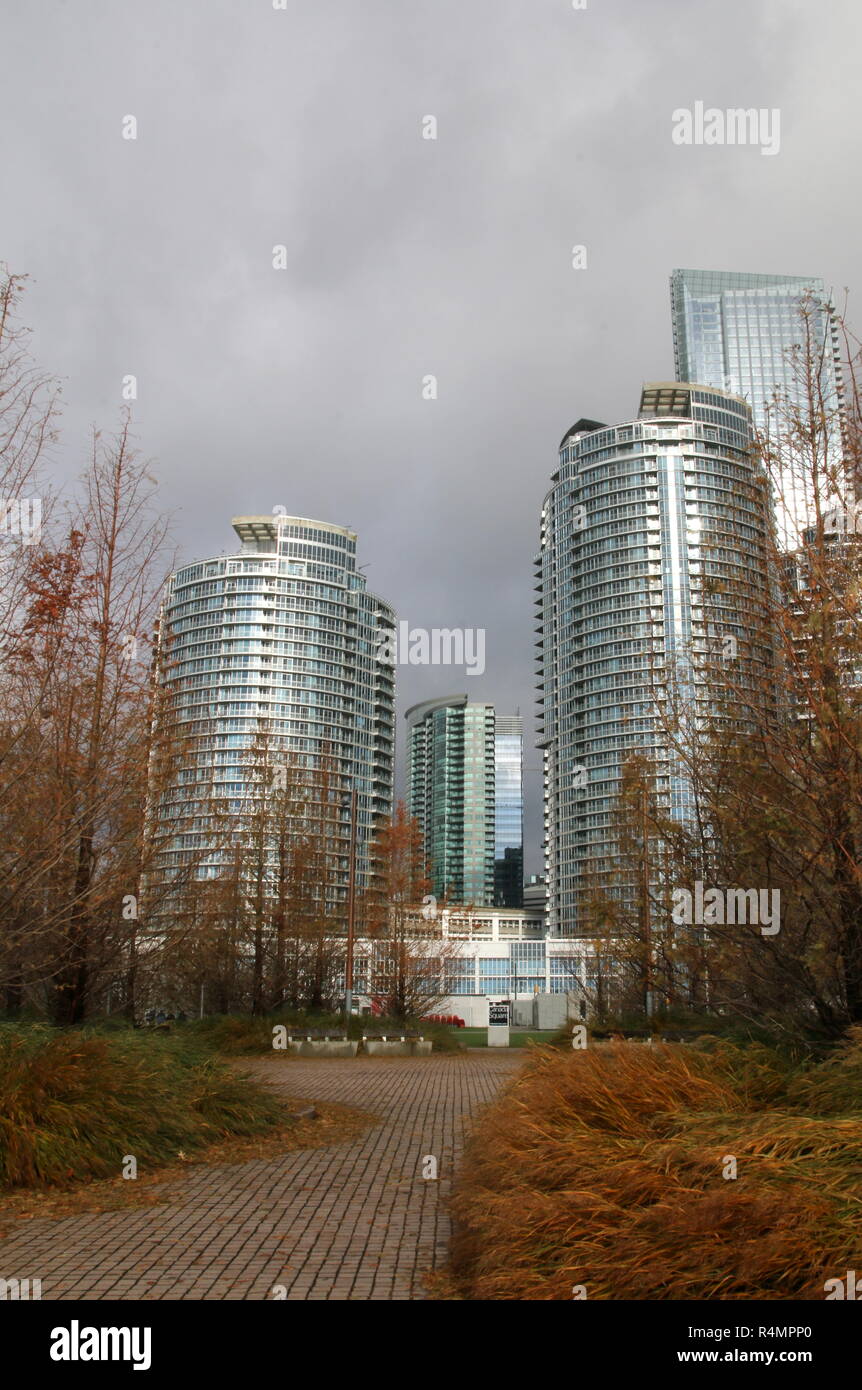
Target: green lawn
478	1037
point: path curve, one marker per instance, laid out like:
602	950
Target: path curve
351	1221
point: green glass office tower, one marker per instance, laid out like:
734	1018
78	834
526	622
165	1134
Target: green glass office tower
646	524
733	331
464	768
736	332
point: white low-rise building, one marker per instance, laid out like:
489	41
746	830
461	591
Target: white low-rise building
500	953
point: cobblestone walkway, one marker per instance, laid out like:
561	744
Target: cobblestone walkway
353	1221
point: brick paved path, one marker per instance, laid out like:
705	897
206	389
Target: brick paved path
353	1221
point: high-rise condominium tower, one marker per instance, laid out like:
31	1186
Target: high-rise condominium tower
737	332
269	655
653	550
464	768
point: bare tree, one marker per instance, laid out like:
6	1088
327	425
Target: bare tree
772	762
409	952
78	684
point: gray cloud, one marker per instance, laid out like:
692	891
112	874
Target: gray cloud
405	257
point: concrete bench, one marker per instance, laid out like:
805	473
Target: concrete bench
305	1045
399	1045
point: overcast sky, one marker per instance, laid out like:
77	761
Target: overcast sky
302	126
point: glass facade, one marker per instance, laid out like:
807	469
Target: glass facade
736	332
279	639
641	521
494	975
508	811
465	790
528	966
517	969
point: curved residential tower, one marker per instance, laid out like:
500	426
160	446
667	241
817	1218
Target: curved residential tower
644	520
269	654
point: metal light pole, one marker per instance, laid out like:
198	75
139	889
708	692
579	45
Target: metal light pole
351	912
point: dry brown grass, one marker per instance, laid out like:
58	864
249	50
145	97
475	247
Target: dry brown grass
603	1168
332	1124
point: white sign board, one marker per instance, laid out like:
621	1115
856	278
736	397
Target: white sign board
498	1023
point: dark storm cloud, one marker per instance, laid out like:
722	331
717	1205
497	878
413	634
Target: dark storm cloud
405	257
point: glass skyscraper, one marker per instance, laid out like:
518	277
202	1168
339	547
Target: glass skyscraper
508	811
464	768
644	520
278	640
735	332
